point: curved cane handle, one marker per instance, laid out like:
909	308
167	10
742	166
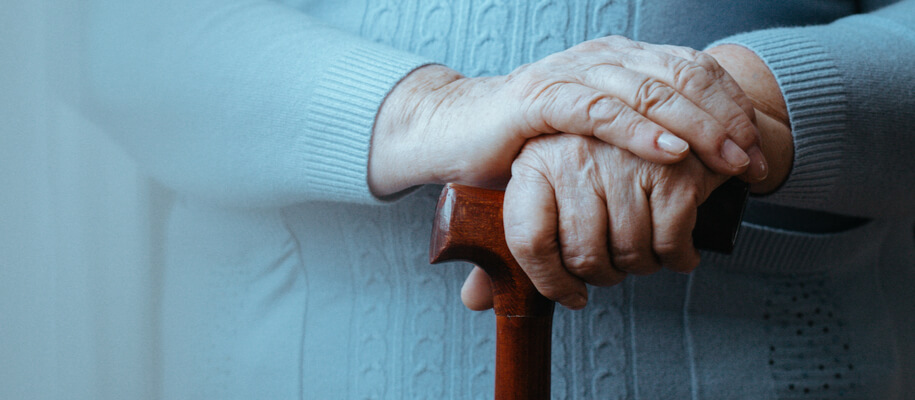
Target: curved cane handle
468	227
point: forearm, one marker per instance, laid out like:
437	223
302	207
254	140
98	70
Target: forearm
242	102
847	86
757	81
438	126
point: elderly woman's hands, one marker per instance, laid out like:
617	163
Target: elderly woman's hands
437	126
580	211
567	235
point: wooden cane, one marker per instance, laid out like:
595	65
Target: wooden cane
468	226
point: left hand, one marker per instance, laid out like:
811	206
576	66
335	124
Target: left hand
658	102
758	82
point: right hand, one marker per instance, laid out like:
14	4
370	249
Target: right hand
657	102
578	211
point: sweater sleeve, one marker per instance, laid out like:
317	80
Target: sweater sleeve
241	102
849	89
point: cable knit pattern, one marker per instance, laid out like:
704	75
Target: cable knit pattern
501	34
611	18
356	312
429	319
489	37
370	322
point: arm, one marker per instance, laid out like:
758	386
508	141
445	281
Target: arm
243	102
757	81
252	103
847	94
833	107
438	126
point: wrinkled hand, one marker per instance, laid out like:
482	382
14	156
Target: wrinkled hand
437	126
578	211
760	85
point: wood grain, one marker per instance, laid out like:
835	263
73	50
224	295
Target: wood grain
468	226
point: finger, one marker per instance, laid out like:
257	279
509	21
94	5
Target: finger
723	82
583	233
476	294
574	108
530	218
664	105
631	231
662	60
698	77
681	67
673	219
744	131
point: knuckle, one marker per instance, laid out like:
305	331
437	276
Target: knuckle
744	132
668	248
690	76
651	94
630	258
583	265
583	107
708	62
538	249
684	197
602	110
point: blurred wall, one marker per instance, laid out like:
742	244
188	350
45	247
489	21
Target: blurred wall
78	230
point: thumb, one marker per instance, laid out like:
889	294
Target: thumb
477	290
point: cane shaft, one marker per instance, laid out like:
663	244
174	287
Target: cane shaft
468	226
523	357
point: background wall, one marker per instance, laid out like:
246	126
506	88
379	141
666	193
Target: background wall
78	230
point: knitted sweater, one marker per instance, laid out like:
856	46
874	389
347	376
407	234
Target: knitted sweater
285	278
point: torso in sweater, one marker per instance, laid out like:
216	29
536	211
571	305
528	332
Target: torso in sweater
325	301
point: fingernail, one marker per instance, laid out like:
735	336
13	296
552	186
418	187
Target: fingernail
574	301
672	144
734	155
759	168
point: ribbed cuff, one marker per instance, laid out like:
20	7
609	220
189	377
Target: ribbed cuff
817	108
341	115
766	250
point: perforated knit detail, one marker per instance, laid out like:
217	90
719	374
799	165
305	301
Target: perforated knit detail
809	351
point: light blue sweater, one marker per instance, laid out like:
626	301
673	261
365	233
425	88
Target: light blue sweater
285	278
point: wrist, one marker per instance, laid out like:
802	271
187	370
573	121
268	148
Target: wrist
398	156
760	85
